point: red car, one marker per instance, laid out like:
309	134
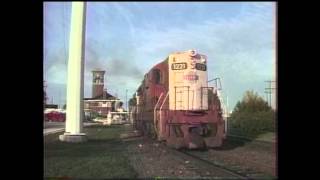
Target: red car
55	116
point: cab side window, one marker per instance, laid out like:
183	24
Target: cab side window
156	76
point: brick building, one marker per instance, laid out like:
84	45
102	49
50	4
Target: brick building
101	101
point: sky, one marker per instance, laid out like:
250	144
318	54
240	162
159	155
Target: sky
127	39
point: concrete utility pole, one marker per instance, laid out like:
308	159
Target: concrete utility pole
74	116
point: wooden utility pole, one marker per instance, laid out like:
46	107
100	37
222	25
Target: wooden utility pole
269	90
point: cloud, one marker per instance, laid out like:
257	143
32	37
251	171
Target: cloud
239	46
120	65
240	49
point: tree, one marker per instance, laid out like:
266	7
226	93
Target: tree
120	104
252	102
252	115
133	101
64	106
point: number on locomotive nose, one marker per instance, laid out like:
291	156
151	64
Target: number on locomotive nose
179	66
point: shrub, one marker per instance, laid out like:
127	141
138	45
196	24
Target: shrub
252	115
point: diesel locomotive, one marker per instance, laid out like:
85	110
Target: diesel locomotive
175	104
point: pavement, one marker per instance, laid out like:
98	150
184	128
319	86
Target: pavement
53	127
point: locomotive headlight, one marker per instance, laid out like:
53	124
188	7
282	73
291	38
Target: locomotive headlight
192	52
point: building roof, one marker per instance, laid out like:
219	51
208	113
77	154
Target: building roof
97	69
107	96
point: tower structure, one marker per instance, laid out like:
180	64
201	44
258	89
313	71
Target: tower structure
97	83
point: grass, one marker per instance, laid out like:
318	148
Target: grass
262	136
104	155
269	136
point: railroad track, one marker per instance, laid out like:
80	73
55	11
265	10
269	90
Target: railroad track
199	162
224	173
233	172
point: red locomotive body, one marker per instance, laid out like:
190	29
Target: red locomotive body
175	104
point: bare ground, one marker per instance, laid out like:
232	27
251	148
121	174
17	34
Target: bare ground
250	156
153	159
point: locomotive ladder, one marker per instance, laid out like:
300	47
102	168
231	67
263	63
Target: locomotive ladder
180	92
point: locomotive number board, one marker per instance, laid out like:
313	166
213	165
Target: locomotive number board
201	67
179	66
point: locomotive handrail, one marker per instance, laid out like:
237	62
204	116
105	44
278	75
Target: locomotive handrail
204	87
154	112
164	100
216	83
160	129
